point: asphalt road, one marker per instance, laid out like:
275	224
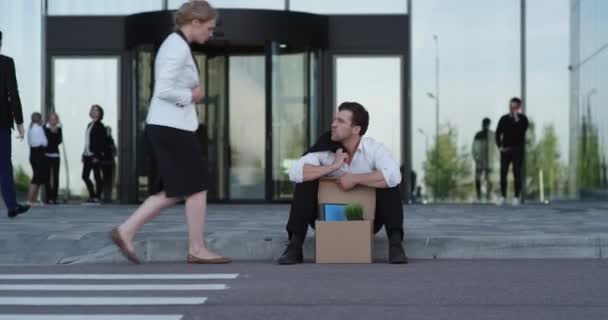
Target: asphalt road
424	289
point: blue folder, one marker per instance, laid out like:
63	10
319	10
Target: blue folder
334	212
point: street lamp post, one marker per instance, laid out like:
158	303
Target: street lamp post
426	139
435	96
436	38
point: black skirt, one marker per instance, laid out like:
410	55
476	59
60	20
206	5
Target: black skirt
179	159
40	172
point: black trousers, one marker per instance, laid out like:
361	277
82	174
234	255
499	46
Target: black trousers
52	186
483	173
515	156
94	192
108	170
305	210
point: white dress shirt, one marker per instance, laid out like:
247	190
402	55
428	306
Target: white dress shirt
36	136
87	141
370	156
175	76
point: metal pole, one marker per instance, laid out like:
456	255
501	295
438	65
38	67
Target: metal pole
165	5
436	38
523	91
287	5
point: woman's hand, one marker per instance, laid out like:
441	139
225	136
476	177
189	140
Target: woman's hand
197	94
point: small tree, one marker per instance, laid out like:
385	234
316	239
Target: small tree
447	169
545	156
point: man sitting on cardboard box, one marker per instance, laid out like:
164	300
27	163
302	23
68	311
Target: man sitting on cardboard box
355	160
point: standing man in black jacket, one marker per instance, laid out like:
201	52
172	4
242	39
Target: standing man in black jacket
10	113
511	141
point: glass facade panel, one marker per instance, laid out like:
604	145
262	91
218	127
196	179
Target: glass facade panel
376	83
589	114
144	87
289	117
21	20
74	91
106	7
216	123
239	4
547	98
466	67
350	6
247	123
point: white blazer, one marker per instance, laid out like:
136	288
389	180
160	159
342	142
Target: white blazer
175	76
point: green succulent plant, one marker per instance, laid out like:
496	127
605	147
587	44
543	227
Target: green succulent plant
354	212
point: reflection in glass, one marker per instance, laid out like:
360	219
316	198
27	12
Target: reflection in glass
289	117
589	121
74	91
547	42
144	87
216	122
247	127
476	44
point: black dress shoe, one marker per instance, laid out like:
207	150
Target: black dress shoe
396	254
20	209
292	255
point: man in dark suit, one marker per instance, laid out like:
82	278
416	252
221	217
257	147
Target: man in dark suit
10	113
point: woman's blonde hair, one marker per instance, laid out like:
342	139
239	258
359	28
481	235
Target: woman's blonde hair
53	114
194	10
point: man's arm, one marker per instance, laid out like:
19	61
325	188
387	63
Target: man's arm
13	94
498	134
387	174
373	179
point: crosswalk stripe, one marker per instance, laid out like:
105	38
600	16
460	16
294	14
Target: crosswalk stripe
89	317
202	276
100	301
111	287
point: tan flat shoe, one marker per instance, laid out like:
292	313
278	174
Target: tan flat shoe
196	260
122	245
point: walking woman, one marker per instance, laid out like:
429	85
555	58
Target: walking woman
94	149
171	126
37	140
55	138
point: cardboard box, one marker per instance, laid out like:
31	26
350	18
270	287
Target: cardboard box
345	241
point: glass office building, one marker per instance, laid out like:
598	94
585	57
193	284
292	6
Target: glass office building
428	71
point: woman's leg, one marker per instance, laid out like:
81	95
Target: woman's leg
98	180
146	212
196	207
54	179
86	173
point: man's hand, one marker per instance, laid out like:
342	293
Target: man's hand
20	131
197	94
347	182
340	159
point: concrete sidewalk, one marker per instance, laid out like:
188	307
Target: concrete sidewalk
80	234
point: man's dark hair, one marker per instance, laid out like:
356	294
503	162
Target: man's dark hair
360	115
516	100
0	34
486	122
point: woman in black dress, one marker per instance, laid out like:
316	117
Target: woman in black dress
54	136
94	150
171	124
